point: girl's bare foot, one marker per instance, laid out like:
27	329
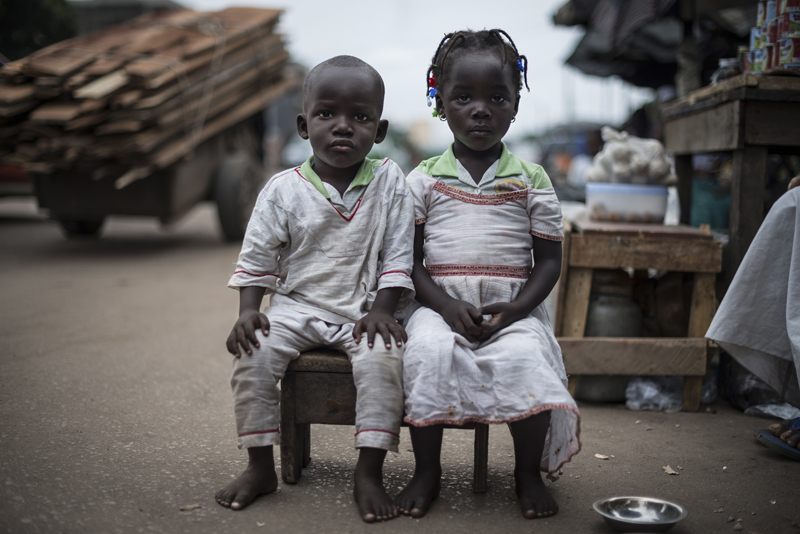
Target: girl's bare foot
373	502
417	496
259	478
787	435
534	499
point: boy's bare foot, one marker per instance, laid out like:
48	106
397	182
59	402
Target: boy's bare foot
534	499
373	502
417	496
259	478
785	434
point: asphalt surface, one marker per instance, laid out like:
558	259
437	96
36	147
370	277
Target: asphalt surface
115	412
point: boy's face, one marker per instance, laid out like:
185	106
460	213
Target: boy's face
478	99
342	118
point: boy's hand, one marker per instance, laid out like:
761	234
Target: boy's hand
503	314
382	323
244	332
463	318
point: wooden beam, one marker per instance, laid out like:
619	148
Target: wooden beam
712	130
561	296
748	191
603	252
634	356
685	171
772	123
579	288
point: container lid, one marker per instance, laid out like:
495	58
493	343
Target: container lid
626	189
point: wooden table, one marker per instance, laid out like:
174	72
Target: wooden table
749	115
592	245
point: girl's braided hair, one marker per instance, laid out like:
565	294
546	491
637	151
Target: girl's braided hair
481	40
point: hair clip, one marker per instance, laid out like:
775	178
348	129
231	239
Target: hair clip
435	113
431	94
519	64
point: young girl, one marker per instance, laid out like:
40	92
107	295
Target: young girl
481	347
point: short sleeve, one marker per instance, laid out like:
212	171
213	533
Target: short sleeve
420	186
545	214
267	233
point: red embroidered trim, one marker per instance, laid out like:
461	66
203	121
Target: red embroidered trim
278	430
395	272
376	430
358	204
420	221
548	237
385	162
471	198
256	275
501	271
553	473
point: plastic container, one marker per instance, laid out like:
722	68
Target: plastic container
626	202
728	68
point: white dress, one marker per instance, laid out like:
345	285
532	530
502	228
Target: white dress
478	241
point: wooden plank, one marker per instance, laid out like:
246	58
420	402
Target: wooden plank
641	230
291	432
617	252
14	94
579	288
17	109
703	304
634	356
692	392
60	62
561	296
748	192
328	398
103	87
322	361
712	130
772	123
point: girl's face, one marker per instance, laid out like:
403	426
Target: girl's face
478	99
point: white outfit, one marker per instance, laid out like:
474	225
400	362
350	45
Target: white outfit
758	321
478	242
325	257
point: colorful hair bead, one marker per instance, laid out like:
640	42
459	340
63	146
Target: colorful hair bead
519	64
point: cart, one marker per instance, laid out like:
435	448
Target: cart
227	169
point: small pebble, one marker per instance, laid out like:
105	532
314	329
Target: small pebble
738	527
730	519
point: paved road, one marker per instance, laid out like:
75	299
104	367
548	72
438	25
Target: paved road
115	412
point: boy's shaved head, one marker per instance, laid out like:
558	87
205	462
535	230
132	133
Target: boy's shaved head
350	62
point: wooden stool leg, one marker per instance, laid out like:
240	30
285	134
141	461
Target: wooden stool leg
481	467
306	444
692	389
292	434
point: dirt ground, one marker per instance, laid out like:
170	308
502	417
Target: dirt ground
115	412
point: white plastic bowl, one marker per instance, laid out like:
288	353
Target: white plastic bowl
626	202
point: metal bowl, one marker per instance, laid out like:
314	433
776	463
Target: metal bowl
640	514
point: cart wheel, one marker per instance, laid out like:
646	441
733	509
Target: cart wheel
81	227
237	182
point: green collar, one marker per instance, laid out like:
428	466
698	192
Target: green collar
363	177
445	165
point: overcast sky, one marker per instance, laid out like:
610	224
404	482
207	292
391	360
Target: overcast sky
398	38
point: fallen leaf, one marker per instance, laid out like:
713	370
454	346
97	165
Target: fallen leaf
730	519
721	509
188	507
668	470
601	456
681	468
637	422
612	455
738	527
260	524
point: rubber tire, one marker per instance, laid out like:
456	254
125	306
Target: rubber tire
237	182
81	228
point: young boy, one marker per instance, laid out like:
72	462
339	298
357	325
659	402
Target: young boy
333	241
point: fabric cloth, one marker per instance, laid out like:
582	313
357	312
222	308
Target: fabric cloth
329	256
758	321
377	372
478	243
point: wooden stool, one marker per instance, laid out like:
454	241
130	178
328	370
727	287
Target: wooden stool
590	245
318	388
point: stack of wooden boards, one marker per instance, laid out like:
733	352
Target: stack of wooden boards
134	98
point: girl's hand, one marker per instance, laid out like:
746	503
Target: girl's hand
463	318
377	321
503	314
244	332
